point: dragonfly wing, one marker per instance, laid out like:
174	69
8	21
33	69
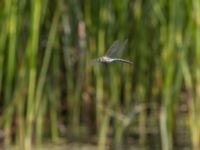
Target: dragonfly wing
122	46
113	47
93	62
117	48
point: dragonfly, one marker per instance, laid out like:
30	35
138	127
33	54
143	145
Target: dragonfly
116	48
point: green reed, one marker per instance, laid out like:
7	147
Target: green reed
11	27
195	123
49	89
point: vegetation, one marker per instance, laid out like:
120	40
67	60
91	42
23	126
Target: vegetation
49	90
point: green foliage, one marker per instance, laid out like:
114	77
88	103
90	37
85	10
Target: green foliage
50	90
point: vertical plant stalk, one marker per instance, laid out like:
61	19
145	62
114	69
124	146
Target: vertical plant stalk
195	124
11	12
99	97
40	121
53	94
32	57
47	56
169	54
114	104
42	76
3	37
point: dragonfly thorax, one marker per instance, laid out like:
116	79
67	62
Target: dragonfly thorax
104	59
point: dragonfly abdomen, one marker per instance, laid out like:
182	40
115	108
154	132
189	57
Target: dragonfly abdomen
123	60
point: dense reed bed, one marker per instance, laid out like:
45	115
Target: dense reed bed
50	92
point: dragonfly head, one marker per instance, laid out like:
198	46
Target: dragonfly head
100	59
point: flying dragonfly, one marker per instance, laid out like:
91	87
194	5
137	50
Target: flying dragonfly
116	47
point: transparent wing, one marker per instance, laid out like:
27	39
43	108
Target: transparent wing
116	48
94	61
113	47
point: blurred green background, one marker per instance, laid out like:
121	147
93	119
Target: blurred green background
51	94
